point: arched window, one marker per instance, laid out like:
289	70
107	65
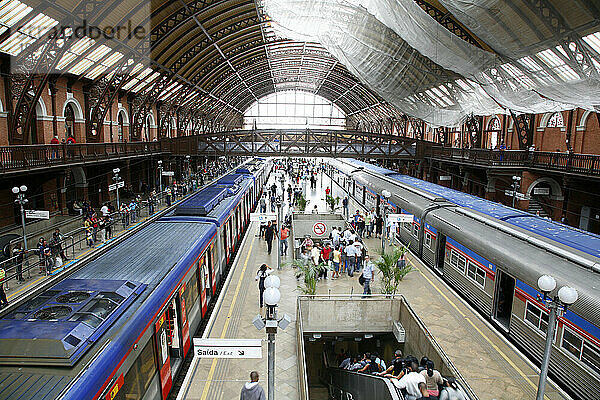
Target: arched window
69	121
494	129
494	125
147	128
121	126
410	130
555	121
294	109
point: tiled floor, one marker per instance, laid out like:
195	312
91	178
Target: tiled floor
490	366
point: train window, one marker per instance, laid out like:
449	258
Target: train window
139	376
462	263
454	259
572	343
407	226
591	356
581	349
538	318
191	291
428	240
476	274
415	230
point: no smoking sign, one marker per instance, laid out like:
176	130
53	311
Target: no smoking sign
319	228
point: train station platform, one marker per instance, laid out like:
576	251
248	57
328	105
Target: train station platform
491	366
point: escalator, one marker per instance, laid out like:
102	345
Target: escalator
344	384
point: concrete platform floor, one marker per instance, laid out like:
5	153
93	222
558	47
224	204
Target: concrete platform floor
493	368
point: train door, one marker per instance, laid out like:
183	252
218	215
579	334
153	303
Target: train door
353	187
364	195
505	292
230	228
185	328
211	266
204	277
239	219
440	253
164	354
225	247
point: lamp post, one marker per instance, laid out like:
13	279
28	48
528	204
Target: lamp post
515	188
160	169
557	306
19	191
187	168
386	196
117	179
279	225
271	296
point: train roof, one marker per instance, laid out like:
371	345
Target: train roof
152	260
216	201
583	241
202	202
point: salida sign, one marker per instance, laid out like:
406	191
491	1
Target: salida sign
227	348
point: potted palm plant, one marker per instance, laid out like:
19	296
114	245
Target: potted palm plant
392	271
310	274
332	202
302	203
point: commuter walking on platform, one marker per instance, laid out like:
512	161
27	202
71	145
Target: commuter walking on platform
345	204
168	193
326	253
89	235
19	255
108	226
336	259
350	252
283	240
252	390
269	233
263	204
367	275
261	275
3	299
378	226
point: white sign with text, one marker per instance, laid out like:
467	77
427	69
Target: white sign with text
227	348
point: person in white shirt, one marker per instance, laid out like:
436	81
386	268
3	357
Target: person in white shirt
335	237
314	254
350	251
368	276
347	234
358	253
104	210
413	383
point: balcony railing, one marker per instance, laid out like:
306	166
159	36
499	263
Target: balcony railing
587	164
27	157
290	143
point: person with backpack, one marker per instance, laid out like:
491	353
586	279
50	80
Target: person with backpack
367	275
261	275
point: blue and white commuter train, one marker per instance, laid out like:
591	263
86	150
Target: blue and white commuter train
121	326
493	255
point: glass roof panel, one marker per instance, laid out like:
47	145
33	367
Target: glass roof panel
81	66
27	34
593	41
12	11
